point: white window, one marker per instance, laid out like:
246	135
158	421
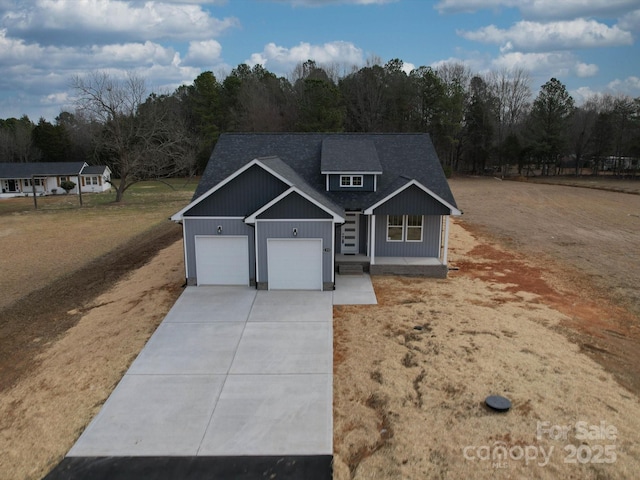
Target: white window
404	228
395	228
414	228
350	180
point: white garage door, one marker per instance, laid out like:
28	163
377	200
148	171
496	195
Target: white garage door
222	260
294	264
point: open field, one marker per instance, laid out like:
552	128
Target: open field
61	236
524	317
538	311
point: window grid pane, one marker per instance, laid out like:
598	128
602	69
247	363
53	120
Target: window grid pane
414	228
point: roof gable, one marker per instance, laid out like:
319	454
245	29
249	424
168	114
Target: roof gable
409	198
240	194
300	209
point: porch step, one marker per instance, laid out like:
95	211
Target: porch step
350	269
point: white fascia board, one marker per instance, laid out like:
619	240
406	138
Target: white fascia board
178	216
252	218
266	220
211	218
345	172
453	210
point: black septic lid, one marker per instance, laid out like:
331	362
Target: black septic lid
498	403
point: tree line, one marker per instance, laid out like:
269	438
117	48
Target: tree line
478	123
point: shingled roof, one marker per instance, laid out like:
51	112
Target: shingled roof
400	157
44	169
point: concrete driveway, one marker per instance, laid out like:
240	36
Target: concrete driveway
234	384
231	371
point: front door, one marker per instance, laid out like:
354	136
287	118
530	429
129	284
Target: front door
11	187
349	234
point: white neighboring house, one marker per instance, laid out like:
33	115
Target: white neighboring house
95	178
45	178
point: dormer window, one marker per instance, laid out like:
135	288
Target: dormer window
351	180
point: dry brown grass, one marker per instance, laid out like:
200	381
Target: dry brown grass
43	413
411	375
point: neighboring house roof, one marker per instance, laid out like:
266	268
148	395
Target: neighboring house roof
398	155
95	170
28	170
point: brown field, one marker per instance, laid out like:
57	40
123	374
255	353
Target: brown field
539	311
543	310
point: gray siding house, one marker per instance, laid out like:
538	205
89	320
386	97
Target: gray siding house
286	210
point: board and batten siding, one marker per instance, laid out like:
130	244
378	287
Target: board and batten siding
368	183
412	201
429	247
241	197
305	229
294	206
209	226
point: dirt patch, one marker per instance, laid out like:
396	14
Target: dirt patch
42	316
607	332
70	361
433	350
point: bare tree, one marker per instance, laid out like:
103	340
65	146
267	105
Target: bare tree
512	91
139	137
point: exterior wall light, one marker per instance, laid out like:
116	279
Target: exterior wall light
295	232
219	229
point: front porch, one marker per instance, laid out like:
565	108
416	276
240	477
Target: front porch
413	266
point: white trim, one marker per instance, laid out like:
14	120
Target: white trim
407	227
293	189
294	220
351	179
255	246
212	218
401	226
446	239
178	216
333	258
372	254
349	172
453	210
369	235
326	182
375	182
184	247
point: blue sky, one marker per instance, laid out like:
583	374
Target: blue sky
590	45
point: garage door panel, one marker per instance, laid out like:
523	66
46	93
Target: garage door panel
294	264
222	260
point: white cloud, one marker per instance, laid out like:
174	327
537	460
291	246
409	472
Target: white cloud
534	36
76	21
282	60
584	70
206	52
630	85
631	21
544	9
132	54
545	65
322	3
